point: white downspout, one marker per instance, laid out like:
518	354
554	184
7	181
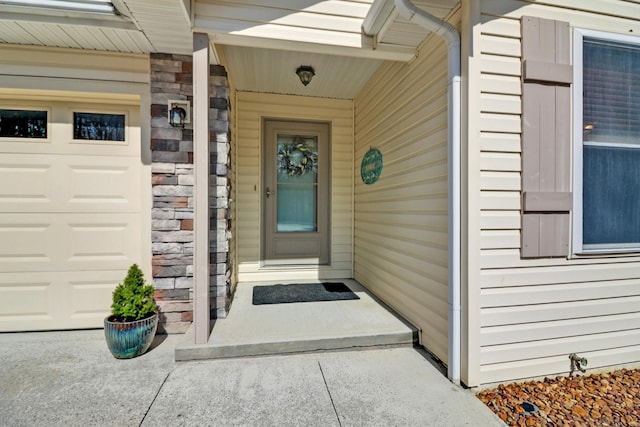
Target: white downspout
445	30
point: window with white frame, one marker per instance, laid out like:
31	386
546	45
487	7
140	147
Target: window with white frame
607	142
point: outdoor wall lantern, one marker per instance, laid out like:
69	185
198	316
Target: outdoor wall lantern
306	73
179	112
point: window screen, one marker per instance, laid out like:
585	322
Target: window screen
611	138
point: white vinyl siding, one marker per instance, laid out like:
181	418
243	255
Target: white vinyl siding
250	109
401	220
534	312
72	69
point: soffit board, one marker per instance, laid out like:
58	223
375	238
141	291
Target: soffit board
145	26
273	71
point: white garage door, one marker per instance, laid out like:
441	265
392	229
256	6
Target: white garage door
70	210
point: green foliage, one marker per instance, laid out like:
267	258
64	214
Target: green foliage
132	299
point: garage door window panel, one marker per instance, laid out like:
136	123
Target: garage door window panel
99	126
24	124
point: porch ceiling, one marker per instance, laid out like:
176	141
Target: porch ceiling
273	71
261	42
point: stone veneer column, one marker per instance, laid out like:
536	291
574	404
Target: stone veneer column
220	191
172	180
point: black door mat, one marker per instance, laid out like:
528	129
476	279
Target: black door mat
302	292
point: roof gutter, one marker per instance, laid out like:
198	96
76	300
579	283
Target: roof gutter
445	30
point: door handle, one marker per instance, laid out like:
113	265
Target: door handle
268	193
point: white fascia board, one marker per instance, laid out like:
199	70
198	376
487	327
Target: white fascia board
88	6
402	54
118	24
377	17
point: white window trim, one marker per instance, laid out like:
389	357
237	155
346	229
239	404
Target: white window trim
578	247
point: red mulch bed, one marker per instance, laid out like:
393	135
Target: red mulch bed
609	399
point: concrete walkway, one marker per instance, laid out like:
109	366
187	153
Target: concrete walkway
71	379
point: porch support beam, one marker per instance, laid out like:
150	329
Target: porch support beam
202	309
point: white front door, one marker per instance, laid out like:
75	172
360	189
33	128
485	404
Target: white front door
296	202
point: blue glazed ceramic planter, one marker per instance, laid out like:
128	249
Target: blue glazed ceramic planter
129	339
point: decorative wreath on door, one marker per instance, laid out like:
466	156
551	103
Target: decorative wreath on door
297	158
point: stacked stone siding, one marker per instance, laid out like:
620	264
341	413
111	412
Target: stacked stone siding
172	180
219	191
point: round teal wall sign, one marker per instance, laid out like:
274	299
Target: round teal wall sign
371	166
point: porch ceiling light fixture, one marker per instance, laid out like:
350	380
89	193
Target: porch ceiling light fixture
306	73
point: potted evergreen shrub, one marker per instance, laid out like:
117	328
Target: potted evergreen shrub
130	328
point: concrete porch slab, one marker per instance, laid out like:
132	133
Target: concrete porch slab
254	330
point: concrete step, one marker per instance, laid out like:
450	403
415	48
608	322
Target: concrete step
255	330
